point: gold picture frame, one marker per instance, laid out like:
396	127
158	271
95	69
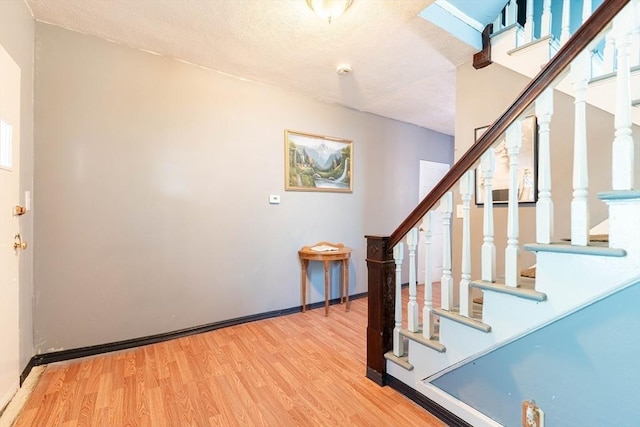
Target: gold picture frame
317	163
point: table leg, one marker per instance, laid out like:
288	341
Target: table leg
303	284
345	263
342	282
326	288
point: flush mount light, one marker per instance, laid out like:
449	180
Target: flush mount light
329	9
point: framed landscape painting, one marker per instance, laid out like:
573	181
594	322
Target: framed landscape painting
317	163
527	167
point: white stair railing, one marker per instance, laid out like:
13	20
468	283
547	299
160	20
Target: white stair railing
605	65
398	347
545	21
412	305
487	166
565	32
587	9
579	205
466	191
446	283
512	252
427	321
608	54
529	25
511	12
544	206
507	17
623	158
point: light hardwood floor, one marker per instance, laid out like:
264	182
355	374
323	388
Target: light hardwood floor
298	370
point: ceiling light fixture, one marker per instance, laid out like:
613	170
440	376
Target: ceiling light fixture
329	9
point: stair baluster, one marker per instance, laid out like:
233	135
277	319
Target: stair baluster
511	13
427	321
579	205
412	305
608	54
587	8
545	21
528	23
512	252
488	165
498	23
446	285
544	206
466	190
623	153
398	345
565	32
634	58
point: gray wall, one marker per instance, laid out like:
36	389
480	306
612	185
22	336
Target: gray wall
582	370
483	95
153	179
16	36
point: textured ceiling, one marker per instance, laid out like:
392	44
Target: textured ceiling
403	66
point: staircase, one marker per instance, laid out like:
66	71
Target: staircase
429	345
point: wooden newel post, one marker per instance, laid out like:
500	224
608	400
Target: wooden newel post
381	297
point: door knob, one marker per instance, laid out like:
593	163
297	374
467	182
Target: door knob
18	243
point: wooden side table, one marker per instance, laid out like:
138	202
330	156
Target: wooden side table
338	252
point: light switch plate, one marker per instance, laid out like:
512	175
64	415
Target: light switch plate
274	199
459	211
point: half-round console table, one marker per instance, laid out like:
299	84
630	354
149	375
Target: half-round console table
325	252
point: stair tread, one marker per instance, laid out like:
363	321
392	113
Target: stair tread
595	248
546	40
418	337
593	238
402	361
619	195
457	317
524	290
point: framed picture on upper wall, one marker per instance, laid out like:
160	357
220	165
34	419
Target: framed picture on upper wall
317	163
527	167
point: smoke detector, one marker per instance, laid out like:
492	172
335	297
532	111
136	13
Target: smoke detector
344	69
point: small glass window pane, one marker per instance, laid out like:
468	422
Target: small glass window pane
6	146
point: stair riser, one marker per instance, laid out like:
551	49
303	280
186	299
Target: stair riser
624	226
429	362
570	280
505	314
526	61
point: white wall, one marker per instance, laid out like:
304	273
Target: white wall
152	184
16	36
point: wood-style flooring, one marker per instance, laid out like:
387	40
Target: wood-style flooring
304	369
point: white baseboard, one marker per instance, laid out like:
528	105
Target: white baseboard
455	406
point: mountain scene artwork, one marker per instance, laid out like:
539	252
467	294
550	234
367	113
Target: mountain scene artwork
317	163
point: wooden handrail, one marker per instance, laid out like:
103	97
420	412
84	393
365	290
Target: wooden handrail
595	25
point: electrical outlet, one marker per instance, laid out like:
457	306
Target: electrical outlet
532	415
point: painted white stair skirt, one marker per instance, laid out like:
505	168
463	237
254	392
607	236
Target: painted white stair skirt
568	274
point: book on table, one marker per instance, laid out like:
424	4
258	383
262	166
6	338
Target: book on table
324	248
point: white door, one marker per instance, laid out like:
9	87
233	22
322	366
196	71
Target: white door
430	174
9	227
